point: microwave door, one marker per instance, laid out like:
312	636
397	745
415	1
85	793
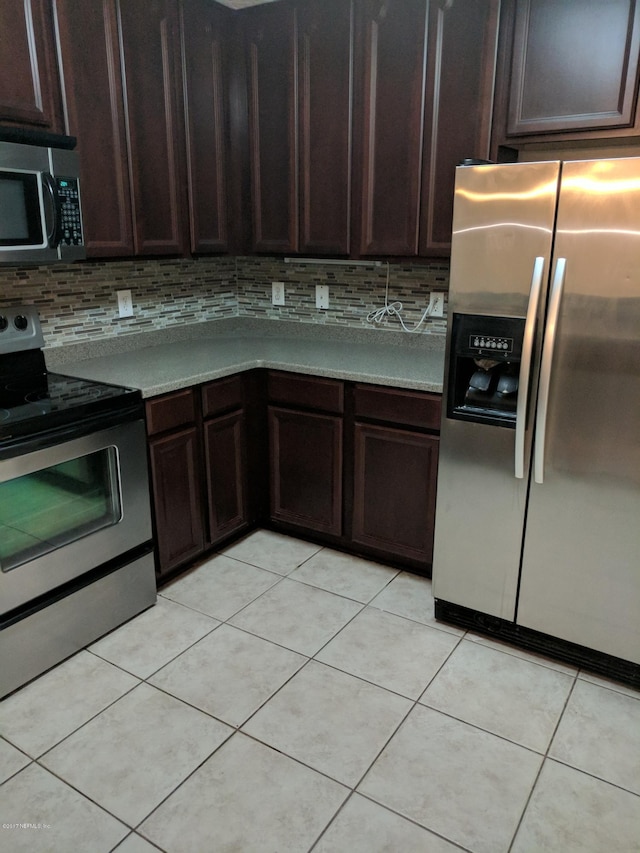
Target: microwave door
23	224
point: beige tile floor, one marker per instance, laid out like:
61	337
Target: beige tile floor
285	697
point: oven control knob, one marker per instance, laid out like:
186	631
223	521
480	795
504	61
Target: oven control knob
3	323
20	322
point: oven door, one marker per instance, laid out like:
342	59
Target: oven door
70	508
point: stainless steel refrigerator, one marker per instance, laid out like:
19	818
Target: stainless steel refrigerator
537	534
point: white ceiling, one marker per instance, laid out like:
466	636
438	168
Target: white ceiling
243	4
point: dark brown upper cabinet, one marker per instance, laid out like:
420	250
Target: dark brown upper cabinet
325	49
272	108
205	32
129	70
391	39
299	106
90	58
30	93
424	95
155	126
573	66
461	63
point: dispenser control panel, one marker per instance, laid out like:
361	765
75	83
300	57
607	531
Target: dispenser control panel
484	369
484	344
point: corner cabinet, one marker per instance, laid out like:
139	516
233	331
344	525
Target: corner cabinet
354	466
349	465
30	94
199	475
569	68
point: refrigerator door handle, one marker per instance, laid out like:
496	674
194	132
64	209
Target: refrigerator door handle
545	368
525	364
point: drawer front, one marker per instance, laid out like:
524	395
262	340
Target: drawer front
223	395
398	406
170	411
308	392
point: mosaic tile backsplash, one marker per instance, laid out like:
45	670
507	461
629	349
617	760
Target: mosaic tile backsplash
77	302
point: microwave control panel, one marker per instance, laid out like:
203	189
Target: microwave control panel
70	218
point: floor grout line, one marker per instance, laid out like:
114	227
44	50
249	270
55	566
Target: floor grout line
238	729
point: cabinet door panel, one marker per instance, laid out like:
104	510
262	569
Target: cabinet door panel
88	32
324	80
156	138
204	31
177	498
391	73
29	83
226	474
574	65
394	491
306	392
271	51
306	469
461	68
170	411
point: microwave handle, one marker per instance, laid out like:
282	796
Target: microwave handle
54	219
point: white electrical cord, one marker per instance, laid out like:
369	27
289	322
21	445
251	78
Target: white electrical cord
394	309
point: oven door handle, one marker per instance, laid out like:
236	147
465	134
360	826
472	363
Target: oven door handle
19	445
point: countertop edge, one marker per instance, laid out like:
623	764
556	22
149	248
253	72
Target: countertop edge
174	365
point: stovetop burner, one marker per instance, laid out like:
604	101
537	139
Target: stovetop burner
34	401
59	396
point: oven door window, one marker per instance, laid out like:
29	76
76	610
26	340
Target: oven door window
49	508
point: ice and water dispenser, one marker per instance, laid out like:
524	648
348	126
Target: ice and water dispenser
483	369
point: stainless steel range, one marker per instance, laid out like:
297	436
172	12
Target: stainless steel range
76	554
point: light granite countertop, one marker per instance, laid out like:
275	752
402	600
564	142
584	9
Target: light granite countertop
162	361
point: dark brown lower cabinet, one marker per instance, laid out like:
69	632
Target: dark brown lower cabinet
175	475
354	465
198	460
225	466
349	465
394	491
306	469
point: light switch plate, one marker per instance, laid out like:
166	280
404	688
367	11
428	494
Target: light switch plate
436	304
125	303
322	296
277	292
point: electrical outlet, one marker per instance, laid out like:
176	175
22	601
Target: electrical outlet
436	304
322	296
277	292
125	303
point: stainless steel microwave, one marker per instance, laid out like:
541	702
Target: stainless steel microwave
40	205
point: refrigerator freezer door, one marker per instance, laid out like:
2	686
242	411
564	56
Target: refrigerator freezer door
581	561
503	222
